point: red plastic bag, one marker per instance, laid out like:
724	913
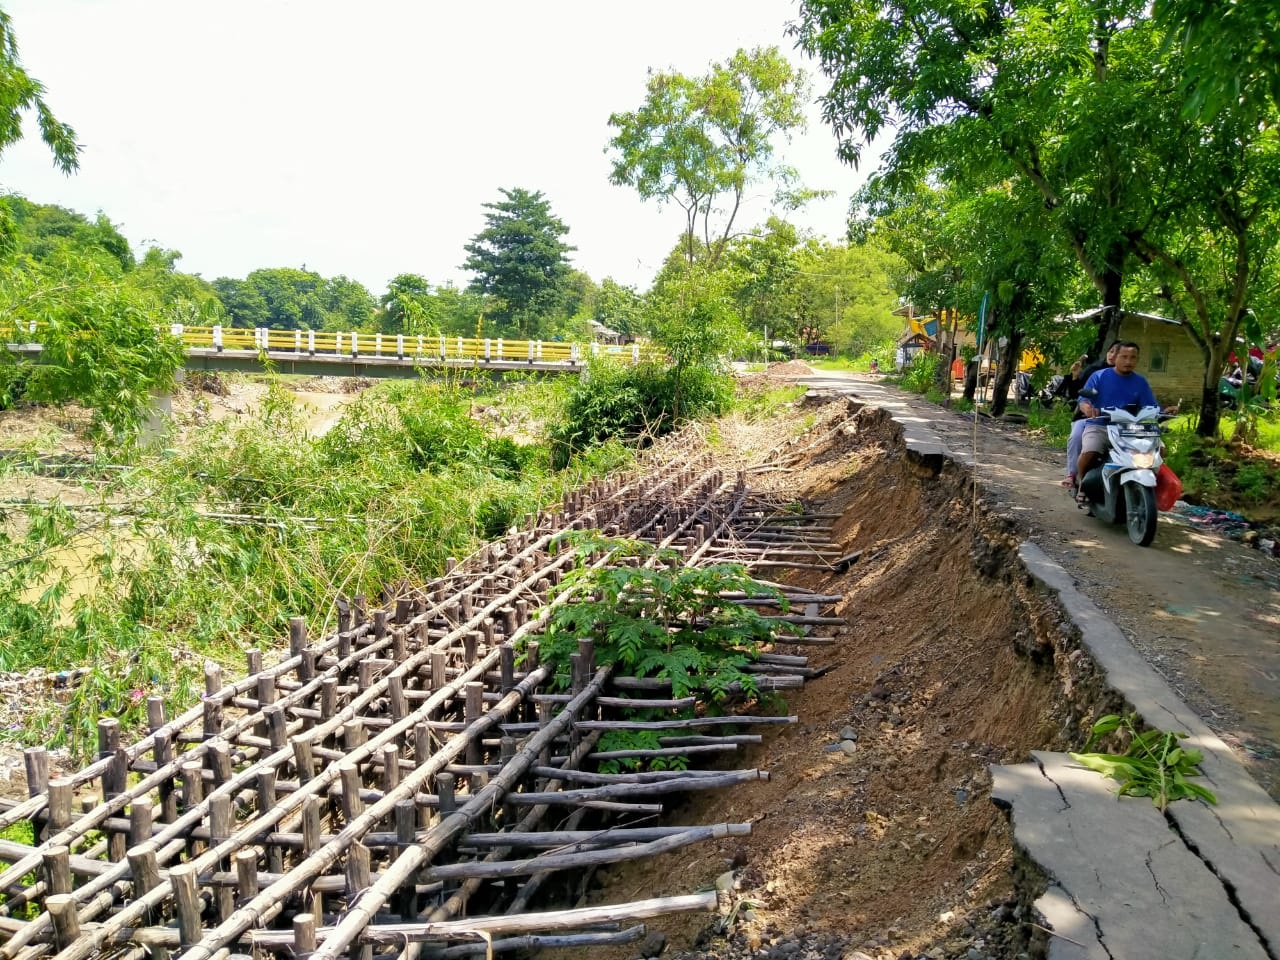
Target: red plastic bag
1168	488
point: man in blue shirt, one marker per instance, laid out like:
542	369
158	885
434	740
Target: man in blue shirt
1116	386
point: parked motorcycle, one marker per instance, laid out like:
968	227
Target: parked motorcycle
1123	488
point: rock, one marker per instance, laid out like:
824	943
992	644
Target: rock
946	916
724	882
848	733
976	954
937	953
848	747
653	944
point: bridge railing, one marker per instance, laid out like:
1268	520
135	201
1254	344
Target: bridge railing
426	347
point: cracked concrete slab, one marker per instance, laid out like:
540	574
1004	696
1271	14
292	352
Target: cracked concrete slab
1126	885
1240	836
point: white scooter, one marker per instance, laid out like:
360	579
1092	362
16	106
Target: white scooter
1123	488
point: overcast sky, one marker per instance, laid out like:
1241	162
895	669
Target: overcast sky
363	138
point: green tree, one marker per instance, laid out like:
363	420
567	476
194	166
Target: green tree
691	313
45	231
187	294
1217	256
702	142
848	293
766	274
520	260
243	303
1074	96
347	304
104	342
618	307
1229	52
408	306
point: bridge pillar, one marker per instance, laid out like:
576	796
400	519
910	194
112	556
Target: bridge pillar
156	427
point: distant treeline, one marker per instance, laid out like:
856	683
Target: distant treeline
39	238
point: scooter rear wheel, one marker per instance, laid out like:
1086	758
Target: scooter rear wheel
1140	513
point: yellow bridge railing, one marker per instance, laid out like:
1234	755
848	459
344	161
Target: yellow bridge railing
424	347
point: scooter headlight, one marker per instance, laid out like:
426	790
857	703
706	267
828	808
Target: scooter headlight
1144	460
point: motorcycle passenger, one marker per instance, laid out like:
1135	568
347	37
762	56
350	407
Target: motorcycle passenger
1078	419
1118	386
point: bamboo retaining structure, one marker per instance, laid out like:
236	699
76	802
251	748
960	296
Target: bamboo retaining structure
366	793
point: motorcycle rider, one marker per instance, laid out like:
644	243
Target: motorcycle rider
1079	420
1117	386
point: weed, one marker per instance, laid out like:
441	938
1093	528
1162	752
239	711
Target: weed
758	403
920	373
934	395
209	550
1052	422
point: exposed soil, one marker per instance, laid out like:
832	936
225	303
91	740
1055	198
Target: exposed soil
204	397
875	832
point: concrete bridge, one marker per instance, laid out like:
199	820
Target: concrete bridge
355	354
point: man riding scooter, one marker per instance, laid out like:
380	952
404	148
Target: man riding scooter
1117	386
1080	420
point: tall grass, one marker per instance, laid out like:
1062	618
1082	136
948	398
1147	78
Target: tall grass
210	550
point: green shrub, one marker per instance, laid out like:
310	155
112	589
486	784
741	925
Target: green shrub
920	373
634	403
662	620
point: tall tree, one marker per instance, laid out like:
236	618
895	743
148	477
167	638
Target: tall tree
520	260
1217	255
618	307
1071	95
702	142
408	306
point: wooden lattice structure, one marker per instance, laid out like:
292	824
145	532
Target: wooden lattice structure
380	783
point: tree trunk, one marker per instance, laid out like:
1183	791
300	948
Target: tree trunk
946	353
971	378
1210	402
1109	323
1004	377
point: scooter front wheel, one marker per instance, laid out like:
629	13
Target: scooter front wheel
1140	513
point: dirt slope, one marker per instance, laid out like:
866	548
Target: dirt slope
943	666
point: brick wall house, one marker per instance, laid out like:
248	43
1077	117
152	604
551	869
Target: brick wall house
1168	357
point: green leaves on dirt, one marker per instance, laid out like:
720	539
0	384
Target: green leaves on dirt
662	619
1154	766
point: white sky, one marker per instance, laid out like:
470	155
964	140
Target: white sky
362	138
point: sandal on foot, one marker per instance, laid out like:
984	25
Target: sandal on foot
1082	498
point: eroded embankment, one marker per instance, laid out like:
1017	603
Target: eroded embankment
875	831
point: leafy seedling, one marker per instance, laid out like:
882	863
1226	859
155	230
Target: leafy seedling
1154	766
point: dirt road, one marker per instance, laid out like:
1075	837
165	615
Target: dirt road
1203	609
